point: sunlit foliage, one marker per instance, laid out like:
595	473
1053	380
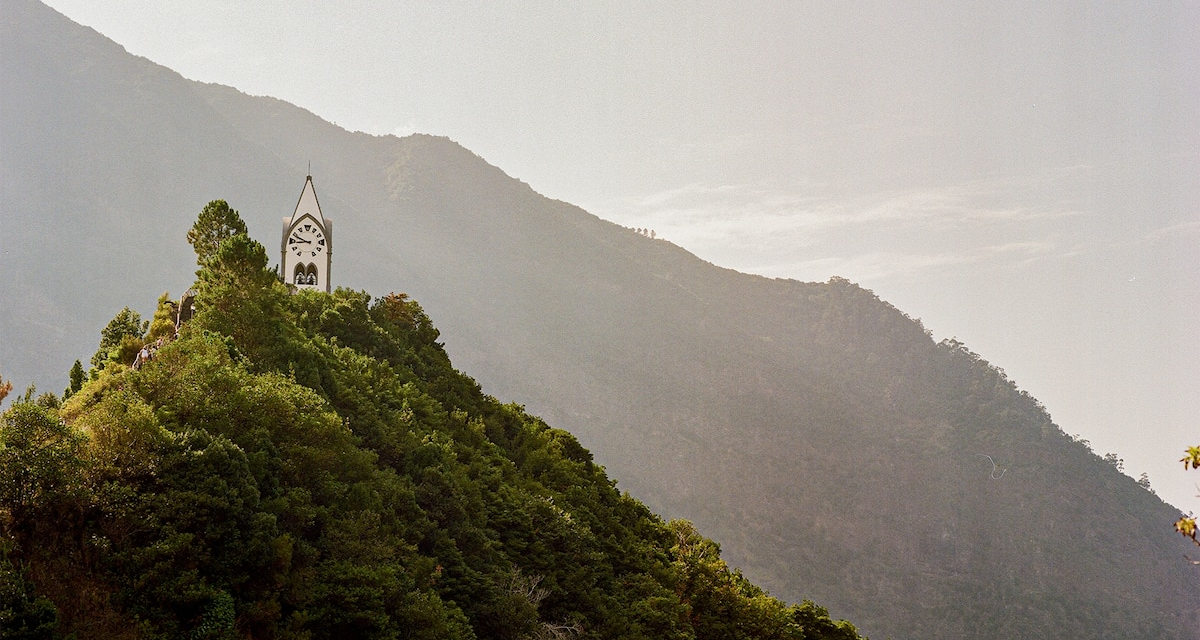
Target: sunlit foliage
310	465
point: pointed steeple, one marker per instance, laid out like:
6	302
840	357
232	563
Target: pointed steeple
308	203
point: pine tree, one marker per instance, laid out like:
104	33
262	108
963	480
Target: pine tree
216	223
76	377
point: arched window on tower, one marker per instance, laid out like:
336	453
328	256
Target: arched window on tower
312	274
299	276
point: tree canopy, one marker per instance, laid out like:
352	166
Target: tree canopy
125	329
217	222
311	465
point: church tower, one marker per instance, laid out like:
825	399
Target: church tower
307	244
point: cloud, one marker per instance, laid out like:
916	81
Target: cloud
1173	231
406	129
888	264
810	232
740	205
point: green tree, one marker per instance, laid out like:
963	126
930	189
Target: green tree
195	529
48	400
125	330
238	296
76	378
216	223
1186	525
1144	482
818	625
162	325
24	615
40	463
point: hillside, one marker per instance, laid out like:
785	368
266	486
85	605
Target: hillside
832	447
310	465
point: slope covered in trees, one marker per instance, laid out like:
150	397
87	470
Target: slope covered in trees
835	450
311	466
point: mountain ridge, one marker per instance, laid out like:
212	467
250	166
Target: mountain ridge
780	416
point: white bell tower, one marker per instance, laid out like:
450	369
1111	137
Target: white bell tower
307	244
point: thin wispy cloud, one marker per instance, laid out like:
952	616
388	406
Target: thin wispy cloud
887	264
406	129
1173	231
809	232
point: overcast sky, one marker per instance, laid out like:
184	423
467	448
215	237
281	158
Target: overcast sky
1022	176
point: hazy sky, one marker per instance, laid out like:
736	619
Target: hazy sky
1022	176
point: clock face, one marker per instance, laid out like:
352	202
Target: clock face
307	241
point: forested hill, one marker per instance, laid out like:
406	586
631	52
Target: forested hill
836	450
311	466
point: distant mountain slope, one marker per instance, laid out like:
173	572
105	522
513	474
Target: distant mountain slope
818	433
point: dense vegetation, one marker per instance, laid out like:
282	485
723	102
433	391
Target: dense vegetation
307	465
837	451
